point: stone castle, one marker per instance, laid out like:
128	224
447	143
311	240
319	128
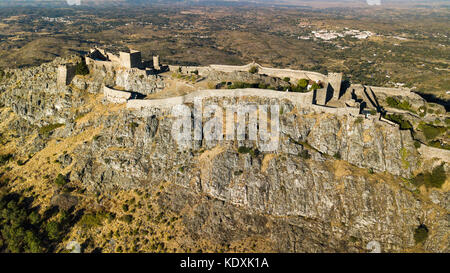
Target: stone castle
334	96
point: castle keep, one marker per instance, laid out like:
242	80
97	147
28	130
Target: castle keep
128	60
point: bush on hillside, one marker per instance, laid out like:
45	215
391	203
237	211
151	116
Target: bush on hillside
81	68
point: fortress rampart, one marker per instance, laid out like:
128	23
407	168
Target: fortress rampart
403	92
272	72
116	96
297	98
301	100
430	153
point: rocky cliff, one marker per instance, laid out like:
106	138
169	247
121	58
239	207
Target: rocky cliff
336	183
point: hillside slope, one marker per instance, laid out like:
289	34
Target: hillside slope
114	180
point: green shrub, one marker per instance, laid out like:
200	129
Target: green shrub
61	180
417	144
337	156
404	124
430	131
91	220
359	120
435	179
420	234
253	69
438	144
252	152
244	150
303	83
19	226
392	102
298	88
46	130
315	86
404	105
286	79
53	229
81	68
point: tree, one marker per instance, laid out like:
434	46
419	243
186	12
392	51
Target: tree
53	230
303	83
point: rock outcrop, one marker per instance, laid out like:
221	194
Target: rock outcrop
333	185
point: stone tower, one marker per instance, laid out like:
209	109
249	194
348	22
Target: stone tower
131	60
66	72
335	81
156	62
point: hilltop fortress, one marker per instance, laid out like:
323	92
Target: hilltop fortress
334	96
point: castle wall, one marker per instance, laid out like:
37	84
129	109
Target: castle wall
272	72
430	153
404	92
107	64
301	99
113	58
202	70
344	111
116	96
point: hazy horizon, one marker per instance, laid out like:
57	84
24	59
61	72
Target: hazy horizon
321	3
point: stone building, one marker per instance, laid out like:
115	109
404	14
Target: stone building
335	81
65	75
133	59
